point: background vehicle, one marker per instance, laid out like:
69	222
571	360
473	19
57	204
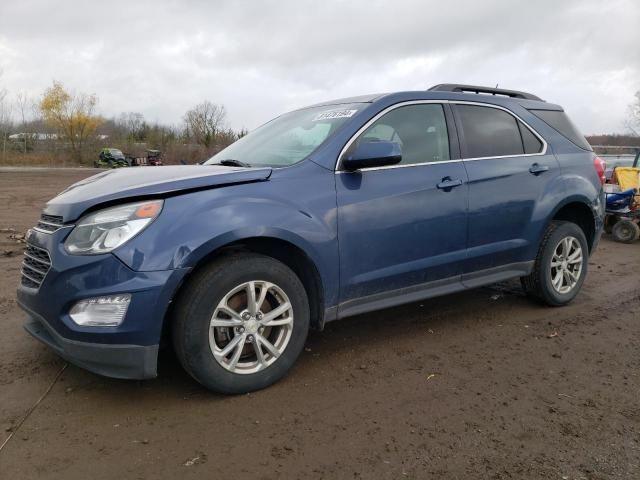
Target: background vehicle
618	161
111	158
151	158
623	204
325	212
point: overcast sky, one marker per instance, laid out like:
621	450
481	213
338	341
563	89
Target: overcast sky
260	59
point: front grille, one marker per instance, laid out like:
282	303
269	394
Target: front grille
35	266
49	223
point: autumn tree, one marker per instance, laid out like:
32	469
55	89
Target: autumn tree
205	122
71	114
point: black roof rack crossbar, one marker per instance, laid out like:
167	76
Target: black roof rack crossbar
453	87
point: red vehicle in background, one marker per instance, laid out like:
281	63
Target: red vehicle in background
152	158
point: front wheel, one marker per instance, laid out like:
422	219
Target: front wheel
240	323
560	266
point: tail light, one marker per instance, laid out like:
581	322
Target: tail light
600	166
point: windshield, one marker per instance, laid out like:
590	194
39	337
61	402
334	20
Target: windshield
289	138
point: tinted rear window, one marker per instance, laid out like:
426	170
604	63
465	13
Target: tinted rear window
489	132
560	121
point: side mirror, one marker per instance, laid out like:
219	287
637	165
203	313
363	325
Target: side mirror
379	153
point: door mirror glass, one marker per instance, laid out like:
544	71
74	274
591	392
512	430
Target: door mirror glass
377	153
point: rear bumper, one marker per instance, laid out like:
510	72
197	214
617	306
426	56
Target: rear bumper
598	208
117	361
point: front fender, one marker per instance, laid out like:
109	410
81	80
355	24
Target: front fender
193	225
194	257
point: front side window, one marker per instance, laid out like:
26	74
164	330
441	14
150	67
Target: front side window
289	138
489	132
421	131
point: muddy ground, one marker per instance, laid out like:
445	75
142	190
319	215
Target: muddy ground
484	384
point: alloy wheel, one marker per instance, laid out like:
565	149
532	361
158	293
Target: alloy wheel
251	327
566	265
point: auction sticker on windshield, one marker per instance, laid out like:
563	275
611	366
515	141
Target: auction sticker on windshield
331	114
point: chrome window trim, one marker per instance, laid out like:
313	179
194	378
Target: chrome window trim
407	165
453	102
533	130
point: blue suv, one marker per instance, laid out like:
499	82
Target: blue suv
329	211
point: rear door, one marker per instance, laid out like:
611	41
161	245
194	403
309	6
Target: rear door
402	229
509	168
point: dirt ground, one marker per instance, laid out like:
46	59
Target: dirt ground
484	384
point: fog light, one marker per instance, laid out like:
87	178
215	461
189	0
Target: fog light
106	311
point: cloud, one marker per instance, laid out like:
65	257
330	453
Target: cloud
263	58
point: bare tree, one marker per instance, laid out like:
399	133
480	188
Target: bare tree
633	122
23	104
6	120
204	122
132	123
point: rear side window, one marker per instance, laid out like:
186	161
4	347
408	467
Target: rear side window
489	132
560	121
532	144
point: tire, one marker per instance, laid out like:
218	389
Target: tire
626	231
540	284
222	286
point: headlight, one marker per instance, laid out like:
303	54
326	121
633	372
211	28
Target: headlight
107	229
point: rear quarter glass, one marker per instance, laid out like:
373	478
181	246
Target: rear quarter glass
559	121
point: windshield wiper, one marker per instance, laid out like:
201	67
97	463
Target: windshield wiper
230	162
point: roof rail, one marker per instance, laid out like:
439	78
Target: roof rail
453	87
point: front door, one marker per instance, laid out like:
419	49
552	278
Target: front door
402	229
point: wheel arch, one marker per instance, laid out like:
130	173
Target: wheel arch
580	211
283	250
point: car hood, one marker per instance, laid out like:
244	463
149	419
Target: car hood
125	183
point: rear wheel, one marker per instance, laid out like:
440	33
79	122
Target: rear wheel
626	231
240	323
561	265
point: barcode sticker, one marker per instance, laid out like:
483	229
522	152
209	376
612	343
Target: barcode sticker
332	114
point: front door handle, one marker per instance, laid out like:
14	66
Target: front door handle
448	183
537	169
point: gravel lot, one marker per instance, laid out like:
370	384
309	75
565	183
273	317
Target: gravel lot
484	384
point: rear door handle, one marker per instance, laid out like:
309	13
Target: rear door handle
537	169
448	183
